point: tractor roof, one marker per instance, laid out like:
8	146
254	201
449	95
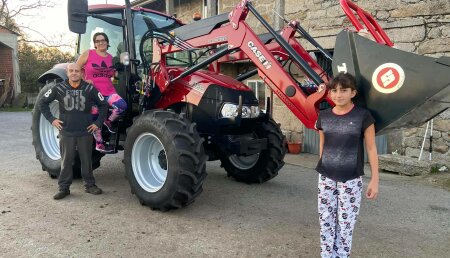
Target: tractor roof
111	7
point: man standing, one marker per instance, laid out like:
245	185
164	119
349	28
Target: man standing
75	124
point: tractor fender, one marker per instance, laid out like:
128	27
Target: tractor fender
57	71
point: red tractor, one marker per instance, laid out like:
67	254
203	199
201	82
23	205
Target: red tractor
182	115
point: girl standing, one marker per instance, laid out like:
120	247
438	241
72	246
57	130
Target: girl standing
342	131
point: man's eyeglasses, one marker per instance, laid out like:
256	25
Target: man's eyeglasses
100	41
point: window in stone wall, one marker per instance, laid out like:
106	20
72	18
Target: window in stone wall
205	8
323	61
326	66
259	88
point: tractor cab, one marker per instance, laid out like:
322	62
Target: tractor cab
132	55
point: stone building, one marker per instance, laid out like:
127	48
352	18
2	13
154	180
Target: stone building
418	26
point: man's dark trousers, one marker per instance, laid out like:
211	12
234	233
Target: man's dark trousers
68	148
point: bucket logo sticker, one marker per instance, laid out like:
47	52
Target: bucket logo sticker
388	78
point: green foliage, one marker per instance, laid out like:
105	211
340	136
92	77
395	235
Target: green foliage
34	61
434	170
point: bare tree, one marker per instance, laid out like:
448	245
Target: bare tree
9	17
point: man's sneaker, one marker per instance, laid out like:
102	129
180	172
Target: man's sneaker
104	149
93	190
109	126
61	194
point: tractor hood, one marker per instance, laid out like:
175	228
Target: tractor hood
204	77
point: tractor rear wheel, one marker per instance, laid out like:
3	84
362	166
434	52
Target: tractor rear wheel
165	162
46	142
263	166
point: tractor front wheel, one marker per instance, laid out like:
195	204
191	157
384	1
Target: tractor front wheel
164	160
263	166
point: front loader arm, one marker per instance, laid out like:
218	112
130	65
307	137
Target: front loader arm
244	39
370	23
272	73
238	35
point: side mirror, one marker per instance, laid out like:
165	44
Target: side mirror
77	11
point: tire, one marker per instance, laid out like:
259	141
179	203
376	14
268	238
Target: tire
165	162
46	143
261	167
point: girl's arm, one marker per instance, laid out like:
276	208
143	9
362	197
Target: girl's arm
321	141
369	138
82	60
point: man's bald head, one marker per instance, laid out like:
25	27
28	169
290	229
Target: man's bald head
74	72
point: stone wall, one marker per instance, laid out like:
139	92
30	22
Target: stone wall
413	138
185	9
264	7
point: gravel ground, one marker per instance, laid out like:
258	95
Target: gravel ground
229	219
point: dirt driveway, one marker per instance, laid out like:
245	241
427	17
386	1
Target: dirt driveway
229	219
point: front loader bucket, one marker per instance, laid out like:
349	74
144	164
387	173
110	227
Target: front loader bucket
401	89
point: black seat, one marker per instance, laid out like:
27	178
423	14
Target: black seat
200	28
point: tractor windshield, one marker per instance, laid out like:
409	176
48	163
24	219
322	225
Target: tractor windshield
145	24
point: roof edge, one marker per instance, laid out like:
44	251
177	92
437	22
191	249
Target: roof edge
9	30
142	2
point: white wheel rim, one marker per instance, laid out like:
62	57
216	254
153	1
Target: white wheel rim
149	162
244	162
49	134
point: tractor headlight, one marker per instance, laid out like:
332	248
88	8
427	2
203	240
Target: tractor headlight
231	110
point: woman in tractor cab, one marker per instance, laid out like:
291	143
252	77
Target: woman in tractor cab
98	70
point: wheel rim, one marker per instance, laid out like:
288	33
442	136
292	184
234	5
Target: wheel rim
244	162
49	134
149	162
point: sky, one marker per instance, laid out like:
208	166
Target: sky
50	24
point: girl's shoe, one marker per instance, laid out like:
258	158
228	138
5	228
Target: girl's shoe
100	147
109	126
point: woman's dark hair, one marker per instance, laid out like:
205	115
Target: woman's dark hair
100	34
346	81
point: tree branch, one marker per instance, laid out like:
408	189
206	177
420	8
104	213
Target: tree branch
31	6
44	43
28	28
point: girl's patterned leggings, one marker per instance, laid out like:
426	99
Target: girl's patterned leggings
338	205
118	104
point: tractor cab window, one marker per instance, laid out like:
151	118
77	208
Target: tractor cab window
115	35
259	88
145	25
116	42
189	57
